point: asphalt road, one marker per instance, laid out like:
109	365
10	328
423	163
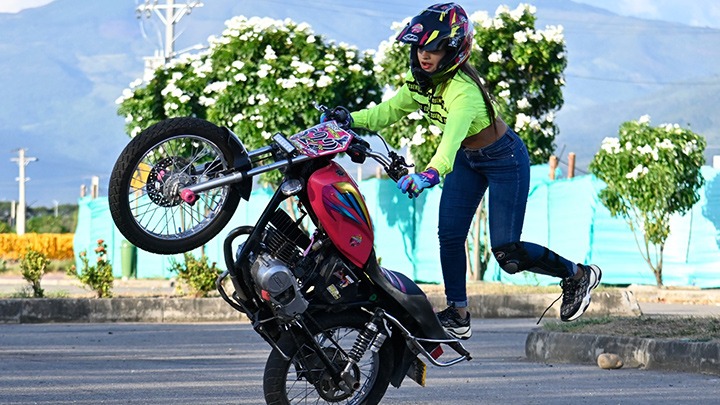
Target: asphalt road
132	363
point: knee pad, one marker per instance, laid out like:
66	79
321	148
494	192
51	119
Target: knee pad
512	257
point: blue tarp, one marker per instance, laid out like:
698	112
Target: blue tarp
564	215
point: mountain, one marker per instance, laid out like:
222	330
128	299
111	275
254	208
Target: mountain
63	65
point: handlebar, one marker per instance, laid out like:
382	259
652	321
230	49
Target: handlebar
359	149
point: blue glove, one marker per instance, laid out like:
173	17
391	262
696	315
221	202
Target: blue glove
415	183
341	115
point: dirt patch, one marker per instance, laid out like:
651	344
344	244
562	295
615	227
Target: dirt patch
656	327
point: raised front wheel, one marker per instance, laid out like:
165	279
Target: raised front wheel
145	191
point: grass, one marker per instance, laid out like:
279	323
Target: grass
701	329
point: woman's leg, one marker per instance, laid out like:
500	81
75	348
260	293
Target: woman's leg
507	168
461	194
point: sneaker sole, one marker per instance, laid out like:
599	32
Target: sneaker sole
463	333
597	273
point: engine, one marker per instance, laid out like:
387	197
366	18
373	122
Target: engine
283	275
283	244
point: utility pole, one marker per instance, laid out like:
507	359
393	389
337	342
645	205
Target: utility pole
169	14
22	161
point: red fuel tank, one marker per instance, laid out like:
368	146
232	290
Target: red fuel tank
342	212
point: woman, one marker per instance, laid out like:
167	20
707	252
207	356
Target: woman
477	152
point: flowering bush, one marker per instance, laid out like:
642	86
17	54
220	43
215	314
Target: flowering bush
259	77
33	265
522	67
98	277
651	173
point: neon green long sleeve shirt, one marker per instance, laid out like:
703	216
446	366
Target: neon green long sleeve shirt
456	107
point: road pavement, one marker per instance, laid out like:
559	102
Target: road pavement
222	363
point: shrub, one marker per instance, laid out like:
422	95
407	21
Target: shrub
33	265
98	277
196	274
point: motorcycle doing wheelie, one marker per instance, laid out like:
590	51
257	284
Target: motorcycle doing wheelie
341	327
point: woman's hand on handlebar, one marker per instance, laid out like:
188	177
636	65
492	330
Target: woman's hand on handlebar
340	114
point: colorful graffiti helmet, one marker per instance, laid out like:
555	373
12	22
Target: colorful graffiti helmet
440	26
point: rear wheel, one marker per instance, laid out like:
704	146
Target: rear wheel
304	378
145	184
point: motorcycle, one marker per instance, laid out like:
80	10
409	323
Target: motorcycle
341	327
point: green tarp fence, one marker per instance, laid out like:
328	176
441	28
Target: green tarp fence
563	214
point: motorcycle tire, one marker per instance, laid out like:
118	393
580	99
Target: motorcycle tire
144	196
286	382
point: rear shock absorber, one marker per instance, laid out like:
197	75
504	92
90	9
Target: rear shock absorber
368	338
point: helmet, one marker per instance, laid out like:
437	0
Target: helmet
440	26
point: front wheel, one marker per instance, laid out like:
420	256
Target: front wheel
304	379
145	184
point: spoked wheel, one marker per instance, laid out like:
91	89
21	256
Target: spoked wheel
304	379
145	185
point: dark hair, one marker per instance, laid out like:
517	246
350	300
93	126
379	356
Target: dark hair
470	70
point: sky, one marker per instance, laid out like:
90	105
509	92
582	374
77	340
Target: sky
700	13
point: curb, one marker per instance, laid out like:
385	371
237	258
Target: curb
645	353
43	310
162	309
616	303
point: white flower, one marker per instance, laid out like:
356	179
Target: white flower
637	172
302	67
435	130
665	144
206	101
137	83
184	98
504	94
521	120
648	150
610	145
126	94
495	57
415	115
135	131
331	69
355	68
264	69
523	103
270	53
690	147
262	99
520	37
311	39
216	87
128	118
237	118
240	77
645	119
418	137
324	81
552	33
238	64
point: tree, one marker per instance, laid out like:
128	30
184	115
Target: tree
259	77
522	68
651	173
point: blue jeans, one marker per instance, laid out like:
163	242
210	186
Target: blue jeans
504	168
